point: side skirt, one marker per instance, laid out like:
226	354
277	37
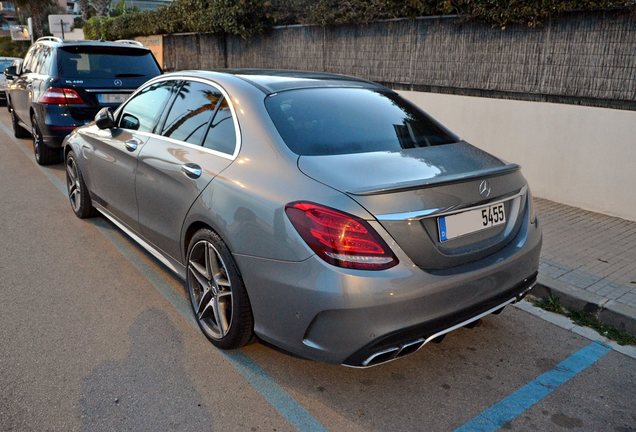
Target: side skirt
169	262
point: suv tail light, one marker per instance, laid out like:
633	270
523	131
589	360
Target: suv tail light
60	96
339	238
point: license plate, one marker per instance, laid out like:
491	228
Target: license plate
470	221
112	97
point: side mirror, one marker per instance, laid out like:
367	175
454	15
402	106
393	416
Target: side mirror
104	119
10	72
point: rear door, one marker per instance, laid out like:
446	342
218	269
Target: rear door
22	88
112	154
198	139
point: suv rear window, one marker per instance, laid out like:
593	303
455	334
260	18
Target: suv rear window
106	62
330	121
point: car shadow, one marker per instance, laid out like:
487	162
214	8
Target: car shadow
149	390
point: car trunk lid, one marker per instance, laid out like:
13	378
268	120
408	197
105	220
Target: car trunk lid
408	191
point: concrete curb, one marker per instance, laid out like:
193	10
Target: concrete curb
607	311
565	323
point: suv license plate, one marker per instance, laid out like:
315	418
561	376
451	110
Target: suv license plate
471	221
112	97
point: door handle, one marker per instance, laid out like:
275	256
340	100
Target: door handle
191	170
131	145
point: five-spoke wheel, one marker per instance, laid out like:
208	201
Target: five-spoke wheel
217	293
78	194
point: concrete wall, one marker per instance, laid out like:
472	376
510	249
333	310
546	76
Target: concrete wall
577	155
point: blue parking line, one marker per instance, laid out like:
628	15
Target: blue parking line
509	408
257	377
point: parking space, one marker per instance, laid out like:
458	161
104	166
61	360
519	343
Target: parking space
95	334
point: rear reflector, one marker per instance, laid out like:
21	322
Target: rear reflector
60	96
339	238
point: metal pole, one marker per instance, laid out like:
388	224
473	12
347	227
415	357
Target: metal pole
30	27
62	25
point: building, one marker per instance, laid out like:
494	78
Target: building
9	18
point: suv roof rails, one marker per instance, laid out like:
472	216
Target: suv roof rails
50	38
130	42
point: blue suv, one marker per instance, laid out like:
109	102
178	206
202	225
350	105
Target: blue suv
62	85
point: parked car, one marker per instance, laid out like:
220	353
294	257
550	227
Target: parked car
62	84
6	62
325	214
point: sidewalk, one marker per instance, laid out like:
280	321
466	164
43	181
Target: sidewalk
589	261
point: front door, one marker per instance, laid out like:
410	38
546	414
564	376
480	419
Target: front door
112	155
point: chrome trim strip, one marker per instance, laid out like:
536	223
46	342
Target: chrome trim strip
468	321
151	250
118	90
237	127
421	214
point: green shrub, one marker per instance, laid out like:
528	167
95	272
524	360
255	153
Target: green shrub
248	17
10	48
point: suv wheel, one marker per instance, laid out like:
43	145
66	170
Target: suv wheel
44	155
217	293
18	131
78	194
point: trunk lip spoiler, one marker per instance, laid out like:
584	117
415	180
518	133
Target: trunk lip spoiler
430	182
421	214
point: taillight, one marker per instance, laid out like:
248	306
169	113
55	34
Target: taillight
339	238
532	210
60	96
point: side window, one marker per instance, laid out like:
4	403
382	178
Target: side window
45	61
39	60
222	134
142	112
28	60
191	112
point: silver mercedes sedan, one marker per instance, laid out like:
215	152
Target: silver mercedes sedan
324	214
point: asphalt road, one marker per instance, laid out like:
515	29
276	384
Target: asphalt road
97	335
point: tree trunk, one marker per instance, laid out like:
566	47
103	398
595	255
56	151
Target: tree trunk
102	7
83	4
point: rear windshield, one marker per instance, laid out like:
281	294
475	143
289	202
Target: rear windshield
330	121
106	62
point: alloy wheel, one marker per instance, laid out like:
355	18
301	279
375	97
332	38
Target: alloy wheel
73	185
210	289
37	140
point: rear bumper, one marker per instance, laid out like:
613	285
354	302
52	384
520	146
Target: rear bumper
55	122
335	315
54	135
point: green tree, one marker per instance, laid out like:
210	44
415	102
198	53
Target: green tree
36	9
84	9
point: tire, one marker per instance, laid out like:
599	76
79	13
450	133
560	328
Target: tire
225	289
18	131
78	195
44	155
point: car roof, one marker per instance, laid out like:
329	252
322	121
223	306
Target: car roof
276	80
53	41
